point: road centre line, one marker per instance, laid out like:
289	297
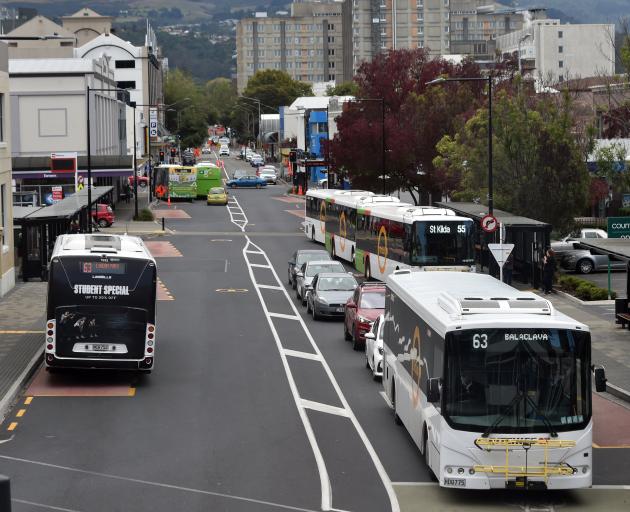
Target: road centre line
157	484
328	409
326	504
303	355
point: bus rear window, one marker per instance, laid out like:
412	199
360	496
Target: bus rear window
102	267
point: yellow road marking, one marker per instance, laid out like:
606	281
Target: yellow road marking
232	290
28	400
131	392
21	332
21	413
12	426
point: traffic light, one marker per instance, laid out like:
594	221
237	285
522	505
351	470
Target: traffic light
161	156
293	157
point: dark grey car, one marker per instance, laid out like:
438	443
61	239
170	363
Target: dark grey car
302	256
328	294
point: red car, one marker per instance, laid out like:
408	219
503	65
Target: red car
143	181
104	215
367	303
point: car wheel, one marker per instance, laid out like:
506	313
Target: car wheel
316	315
308	308
232	186
346	335
584	266
258	185
367	361
356	344
297	294
289	280
103	223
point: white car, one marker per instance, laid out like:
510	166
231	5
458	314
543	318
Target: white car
374	348
224	151
268	174
224	140
308	270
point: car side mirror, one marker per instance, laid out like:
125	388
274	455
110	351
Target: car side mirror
600	379
370	336
433	391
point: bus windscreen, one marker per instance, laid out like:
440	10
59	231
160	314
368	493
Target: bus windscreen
443	243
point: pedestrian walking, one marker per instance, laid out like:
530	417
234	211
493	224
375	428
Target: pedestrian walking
549	269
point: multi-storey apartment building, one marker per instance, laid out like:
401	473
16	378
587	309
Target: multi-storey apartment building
309	44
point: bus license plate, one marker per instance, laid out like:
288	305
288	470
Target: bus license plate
99	347
455	482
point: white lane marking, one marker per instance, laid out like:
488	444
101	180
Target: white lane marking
226	266
41	505
612	487
157	484
303	355
258	265
269	287
416	484
254	252
282	315
328	409
386	398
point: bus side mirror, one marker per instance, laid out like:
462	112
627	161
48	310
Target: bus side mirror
433	391
600	379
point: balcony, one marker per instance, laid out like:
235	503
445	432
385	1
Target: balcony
383	33
420	5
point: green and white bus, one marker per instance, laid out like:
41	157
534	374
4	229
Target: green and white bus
176	182
378	234
208	176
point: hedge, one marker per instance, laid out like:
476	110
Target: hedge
144	215
583	289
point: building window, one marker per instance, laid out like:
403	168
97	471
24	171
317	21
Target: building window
125	64
331	77
561	64
331	26
560	49
331	39
331	51
129	84
560	34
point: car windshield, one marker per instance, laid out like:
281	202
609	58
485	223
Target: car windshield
333	266
303	257
340	284
373	300
517	380
216	190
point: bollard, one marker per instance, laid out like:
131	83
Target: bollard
163	224
5	494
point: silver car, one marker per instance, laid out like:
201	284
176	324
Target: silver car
302	256
328	294
585	262
308	270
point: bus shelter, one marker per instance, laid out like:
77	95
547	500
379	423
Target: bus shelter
530	238
37	228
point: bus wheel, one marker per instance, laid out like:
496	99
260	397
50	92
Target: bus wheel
425	446
397	419
312	233
332	248
368	272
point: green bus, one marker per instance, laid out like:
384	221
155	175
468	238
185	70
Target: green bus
208	176
176	182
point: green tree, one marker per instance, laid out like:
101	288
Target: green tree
275	88
221	97
538	167
189	114
344	89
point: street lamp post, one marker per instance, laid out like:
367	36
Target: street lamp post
245	108
488	80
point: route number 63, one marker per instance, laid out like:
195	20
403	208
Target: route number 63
480	341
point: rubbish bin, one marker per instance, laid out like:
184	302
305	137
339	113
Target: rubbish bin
621	306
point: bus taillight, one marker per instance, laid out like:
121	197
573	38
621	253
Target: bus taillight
50	335
149	341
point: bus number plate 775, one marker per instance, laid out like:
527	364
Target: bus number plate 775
455	482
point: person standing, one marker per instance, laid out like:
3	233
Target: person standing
549	269
508	268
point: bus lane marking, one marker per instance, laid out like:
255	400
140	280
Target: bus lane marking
320	407
303	355
325	483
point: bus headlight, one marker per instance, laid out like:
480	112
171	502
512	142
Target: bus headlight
460	471
449	470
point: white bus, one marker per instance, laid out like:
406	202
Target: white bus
379	234
493	384
101	303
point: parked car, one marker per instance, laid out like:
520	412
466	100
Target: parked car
302	256
374	348
308	270
217	195
104	215
268	174
224	151
256	161
247	181
365	305
585	261
328	294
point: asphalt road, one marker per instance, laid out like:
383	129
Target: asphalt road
252	405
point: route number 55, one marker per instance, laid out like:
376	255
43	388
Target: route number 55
480	341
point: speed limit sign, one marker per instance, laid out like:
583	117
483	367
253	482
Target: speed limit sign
489	223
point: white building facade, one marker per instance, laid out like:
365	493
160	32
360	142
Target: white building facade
552	53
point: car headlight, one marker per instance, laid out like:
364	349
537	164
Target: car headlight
362	319
321	300
380	350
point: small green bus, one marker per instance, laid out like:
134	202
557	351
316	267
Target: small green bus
208	176
176	182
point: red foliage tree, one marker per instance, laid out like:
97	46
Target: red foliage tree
416	116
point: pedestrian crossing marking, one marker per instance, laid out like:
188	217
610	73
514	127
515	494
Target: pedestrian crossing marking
162	291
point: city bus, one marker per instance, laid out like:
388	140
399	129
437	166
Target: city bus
176	182
493	384
379	234
208	176
101	303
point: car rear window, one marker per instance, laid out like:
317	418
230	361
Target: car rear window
217	190
373	300
333	266
311	256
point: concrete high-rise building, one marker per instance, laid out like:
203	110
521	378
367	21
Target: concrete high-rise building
309	44
552	53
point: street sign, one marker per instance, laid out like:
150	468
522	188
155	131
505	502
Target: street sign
501	252
618	227
153	122
57	193
489	223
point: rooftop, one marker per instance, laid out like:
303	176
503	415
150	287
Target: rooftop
478	211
